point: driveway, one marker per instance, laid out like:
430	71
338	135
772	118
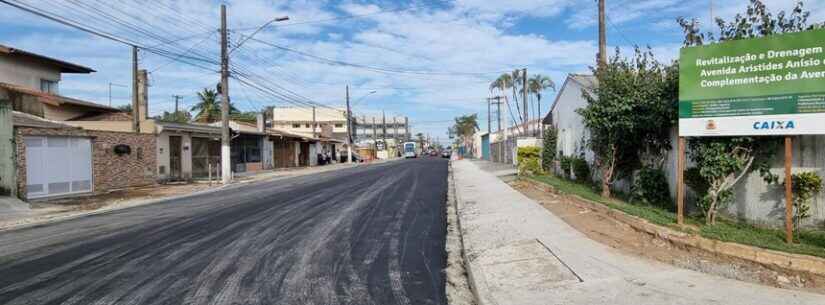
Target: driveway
365	235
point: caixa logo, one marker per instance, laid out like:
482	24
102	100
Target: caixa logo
772	125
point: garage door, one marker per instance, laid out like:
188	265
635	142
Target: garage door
58	166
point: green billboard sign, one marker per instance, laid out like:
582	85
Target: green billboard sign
779	75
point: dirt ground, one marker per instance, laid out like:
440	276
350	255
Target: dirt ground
604	229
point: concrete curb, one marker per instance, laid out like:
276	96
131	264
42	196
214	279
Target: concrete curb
769	258
475	284
239	183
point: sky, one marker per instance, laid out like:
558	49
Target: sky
429	60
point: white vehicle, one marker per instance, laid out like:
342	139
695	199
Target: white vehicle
410	150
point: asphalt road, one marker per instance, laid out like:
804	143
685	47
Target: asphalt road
365	235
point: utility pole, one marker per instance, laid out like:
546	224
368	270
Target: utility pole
177	111
489	113
314	121
374	137
395	133
135	118
384	127
226	166
602	35
524	100
177	98
406	129
349	130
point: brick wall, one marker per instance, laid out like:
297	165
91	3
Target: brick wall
112	171
109	170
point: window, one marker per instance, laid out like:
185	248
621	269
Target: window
339	125
307	126
48	86
296	125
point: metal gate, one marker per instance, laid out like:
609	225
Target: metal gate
58	166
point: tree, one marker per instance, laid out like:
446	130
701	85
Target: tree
722	162
125	108
209	108
627	114
179	117
536	85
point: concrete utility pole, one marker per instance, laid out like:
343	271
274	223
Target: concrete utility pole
524	100
489	114
135	118
349	130
226	166
314	121
602	35
177	99
395	133
384	127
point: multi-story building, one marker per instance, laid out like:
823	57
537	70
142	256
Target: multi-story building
329	122
368	128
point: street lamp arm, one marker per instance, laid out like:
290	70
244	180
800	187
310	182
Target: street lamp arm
279	19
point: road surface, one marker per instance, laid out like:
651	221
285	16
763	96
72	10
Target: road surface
365	235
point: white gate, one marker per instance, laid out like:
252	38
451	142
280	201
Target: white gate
58	166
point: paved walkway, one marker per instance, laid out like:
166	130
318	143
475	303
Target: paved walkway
520	253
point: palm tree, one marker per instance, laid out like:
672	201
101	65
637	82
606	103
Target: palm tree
536	85
502	83
209	108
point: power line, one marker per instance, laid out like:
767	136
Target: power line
369	67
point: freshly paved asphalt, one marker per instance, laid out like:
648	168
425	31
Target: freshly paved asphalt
365	235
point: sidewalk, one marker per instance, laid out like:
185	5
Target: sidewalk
520	253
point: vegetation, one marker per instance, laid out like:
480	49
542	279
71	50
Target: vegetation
125	108
810	242
528	161
548	154
208	109
650	187
176	117
630	115
805	186
464	128
722	162
566	164
581	170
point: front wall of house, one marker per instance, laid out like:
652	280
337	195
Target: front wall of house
7	177
109	170
25	72
164	163
112	171
571	129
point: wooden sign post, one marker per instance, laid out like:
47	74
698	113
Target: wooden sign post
788	190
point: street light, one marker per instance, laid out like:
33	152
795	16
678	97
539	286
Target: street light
278	19
362	97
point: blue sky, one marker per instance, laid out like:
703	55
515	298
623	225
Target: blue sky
441	54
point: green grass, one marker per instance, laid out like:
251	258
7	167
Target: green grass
810	242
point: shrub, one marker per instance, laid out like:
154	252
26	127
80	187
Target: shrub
805	186
581	169
548	155
528	160
566	164
650	187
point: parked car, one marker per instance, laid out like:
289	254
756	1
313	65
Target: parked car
446	154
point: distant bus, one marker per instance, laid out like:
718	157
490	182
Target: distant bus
410	150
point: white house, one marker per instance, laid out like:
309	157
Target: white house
572	135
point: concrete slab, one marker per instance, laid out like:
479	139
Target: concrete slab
494	218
